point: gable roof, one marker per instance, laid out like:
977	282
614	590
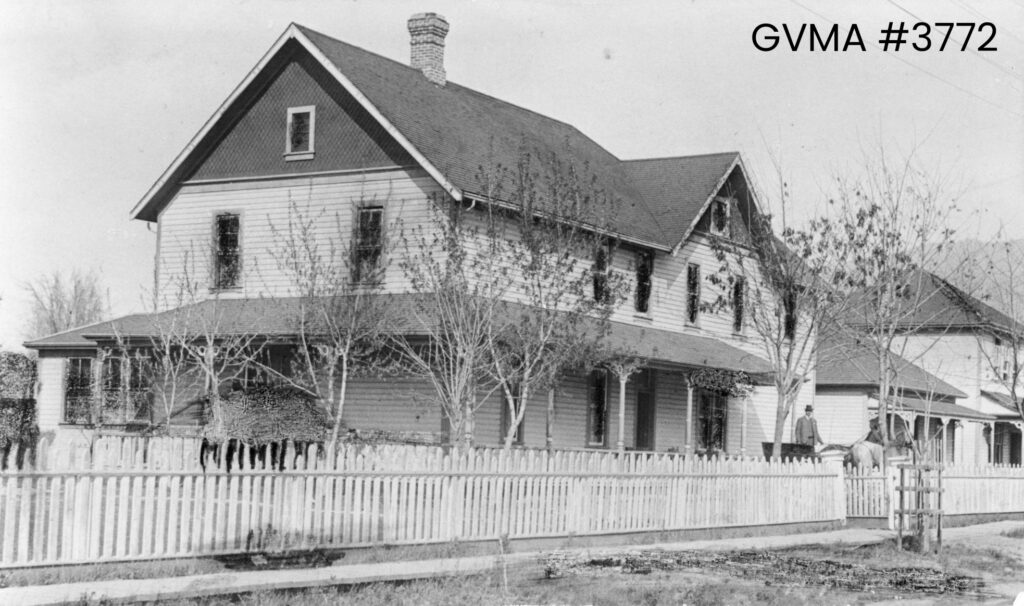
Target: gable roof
858	366
943	306
454	131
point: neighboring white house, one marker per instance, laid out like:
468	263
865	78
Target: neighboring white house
366	140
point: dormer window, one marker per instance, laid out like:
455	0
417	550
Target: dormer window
301	133
720	217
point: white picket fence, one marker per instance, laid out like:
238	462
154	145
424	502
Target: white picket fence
988	489
362	496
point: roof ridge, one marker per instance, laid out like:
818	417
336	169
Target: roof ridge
464	88
685	157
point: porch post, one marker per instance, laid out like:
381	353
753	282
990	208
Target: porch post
991	441
1020	427
550	418
945	427
621	442
744	402
689	415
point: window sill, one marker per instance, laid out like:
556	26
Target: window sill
222	291
293	156
645	316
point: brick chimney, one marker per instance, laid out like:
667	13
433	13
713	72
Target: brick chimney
427	45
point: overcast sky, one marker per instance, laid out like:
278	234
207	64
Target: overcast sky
98	98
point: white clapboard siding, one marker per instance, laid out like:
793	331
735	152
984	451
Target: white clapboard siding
50	396
186	225
363	496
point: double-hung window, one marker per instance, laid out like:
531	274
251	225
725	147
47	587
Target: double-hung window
368	247
739	287
227	270
692	293
644	274
602	260
78	391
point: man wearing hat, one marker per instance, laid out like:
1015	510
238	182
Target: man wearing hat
807	429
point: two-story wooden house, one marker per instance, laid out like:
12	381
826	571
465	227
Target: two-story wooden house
368	140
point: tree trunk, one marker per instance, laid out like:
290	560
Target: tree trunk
340	408
781	413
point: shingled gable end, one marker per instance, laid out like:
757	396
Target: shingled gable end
408	133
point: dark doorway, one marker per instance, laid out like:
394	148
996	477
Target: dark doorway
645	410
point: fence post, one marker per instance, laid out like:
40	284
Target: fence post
890	496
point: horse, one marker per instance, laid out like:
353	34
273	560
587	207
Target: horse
864	454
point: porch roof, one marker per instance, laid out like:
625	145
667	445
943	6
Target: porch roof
1002	400
939	408
684	350
275	317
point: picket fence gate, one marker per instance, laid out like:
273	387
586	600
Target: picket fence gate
359	496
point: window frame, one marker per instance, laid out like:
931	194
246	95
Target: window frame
648	283
601	270
87	392
693	294
216	285
306	154
790	319
357	274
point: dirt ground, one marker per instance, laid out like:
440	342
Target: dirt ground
977	565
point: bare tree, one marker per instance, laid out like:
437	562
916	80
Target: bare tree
341	319
787	288
64	301
894	222
202	339
555	319
454	268
1001	339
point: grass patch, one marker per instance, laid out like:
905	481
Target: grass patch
107	572
1014	533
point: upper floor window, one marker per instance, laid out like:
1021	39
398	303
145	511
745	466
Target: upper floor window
601	262
720	217
739	288
227	261
644	273
301	132
369	244
692	293
789	321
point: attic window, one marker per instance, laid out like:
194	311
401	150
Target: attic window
720	217
301	133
